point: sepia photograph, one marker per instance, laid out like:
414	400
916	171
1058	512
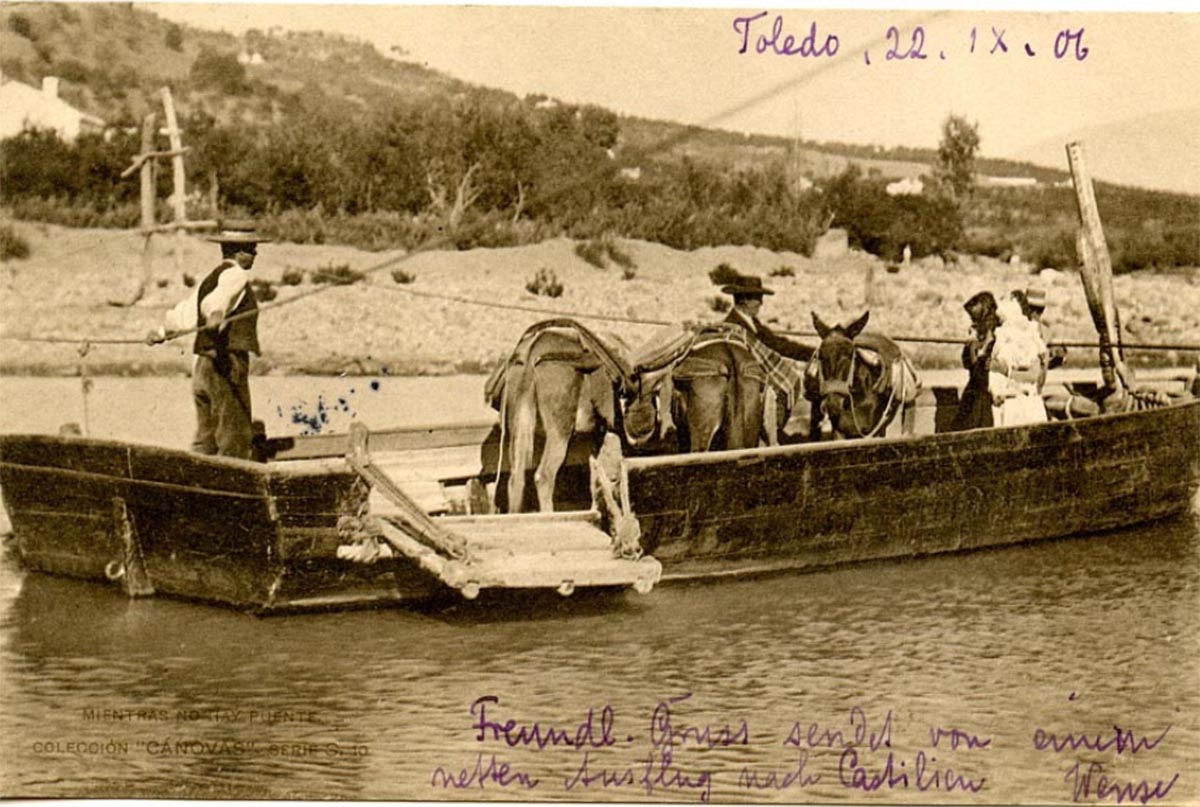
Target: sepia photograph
599	404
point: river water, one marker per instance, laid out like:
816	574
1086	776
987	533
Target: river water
951	679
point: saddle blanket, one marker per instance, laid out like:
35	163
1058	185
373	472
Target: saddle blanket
609	350
669	347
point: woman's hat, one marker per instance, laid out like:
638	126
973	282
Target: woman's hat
237	231
745	286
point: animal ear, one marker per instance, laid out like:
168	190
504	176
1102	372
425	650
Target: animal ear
822	329
857	326
869	357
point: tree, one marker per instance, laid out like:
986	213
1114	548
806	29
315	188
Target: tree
174	37
956	155
217	71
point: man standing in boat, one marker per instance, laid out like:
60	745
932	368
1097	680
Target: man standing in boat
225	310
748	292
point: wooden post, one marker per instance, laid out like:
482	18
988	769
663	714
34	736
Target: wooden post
85	386
179	193
870	298
149	125
1096	271
135	581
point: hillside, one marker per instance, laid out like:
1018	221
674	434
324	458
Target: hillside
327	140
113	59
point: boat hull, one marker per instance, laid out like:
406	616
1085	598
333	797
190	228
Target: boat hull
265	537
225	531
820	505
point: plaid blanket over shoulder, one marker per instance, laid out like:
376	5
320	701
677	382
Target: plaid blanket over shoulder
672	345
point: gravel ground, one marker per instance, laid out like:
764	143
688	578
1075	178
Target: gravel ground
64	288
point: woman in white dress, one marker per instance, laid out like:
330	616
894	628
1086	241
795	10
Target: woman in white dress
1017	360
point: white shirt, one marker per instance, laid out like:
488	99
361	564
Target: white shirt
223	299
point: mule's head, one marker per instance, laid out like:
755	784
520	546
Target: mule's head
837	362
639	405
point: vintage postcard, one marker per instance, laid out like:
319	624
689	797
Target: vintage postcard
486	403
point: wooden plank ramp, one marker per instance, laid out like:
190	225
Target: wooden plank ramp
560	551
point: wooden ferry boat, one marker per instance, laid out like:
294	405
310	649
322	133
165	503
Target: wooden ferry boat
333	522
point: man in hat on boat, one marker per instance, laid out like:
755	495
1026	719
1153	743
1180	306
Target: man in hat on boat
224	308
748	292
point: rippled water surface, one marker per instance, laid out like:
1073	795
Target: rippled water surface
102	695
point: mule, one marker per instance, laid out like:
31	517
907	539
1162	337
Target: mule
554	385
713	389
720	398
859	381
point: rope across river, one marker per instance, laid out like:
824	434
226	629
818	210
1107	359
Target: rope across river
88	341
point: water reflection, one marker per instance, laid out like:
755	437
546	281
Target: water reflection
993	640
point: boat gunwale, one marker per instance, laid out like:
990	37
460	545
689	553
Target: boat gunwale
829	446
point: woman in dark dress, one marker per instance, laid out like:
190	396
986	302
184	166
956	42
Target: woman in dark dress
975	406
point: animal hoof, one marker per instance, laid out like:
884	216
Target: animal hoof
567	588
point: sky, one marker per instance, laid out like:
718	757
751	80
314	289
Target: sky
1134	92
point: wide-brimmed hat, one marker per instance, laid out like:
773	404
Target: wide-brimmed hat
745	286
1035	298
238	231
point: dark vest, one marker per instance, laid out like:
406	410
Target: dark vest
241	335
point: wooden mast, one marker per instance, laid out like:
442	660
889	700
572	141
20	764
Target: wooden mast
1096	271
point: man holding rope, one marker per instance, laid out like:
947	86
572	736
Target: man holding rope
223	312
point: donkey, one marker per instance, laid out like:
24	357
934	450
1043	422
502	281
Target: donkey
720	398
860	381
708	381
553	381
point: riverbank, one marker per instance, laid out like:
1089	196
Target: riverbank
382	327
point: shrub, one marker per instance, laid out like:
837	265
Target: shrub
628	272
782	271
1054	249
723	275
292	276
592	252
991	244
721	305
617	255
12	245
1159	248
402	277
173	38
219	71
545	284
263	290
71	70
340	275
20	25
883	225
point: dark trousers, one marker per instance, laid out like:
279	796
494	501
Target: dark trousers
221	389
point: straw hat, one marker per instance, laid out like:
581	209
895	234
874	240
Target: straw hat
746	285
1035	298
237	231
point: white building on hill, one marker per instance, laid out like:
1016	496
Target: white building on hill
23	107
909	186
1006	182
